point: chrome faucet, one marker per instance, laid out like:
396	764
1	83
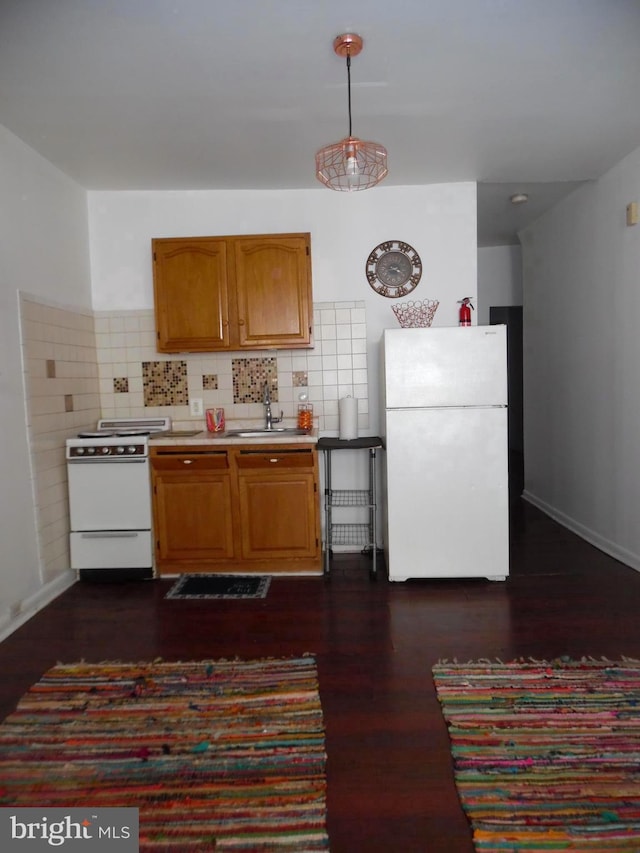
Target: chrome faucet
269	420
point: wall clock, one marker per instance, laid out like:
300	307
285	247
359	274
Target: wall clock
393	268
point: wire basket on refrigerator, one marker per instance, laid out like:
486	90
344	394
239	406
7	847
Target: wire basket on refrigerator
416	315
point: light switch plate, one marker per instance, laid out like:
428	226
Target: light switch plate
196	406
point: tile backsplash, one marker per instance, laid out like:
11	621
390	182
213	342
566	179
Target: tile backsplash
136	381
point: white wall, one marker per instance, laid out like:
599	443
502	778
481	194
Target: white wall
581	267
439	221
499	279
43	251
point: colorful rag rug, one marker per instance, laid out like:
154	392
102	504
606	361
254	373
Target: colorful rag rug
546	755
224	755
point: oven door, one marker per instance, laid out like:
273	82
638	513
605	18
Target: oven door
109	495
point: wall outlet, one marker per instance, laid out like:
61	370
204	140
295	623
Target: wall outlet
196	407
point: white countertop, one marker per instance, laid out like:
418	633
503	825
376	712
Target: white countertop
210	438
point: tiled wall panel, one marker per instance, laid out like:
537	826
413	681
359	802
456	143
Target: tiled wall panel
62	395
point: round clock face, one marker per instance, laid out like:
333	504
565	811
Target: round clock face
393	268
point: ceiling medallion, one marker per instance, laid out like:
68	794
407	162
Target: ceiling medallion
351	164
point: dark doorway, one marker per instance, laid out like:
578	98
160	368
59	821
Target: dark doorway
511	317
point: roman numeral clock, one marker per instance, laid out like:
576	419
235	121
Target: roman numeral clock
393	268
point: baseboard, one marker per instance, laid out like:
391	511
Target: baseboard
28	607
621	554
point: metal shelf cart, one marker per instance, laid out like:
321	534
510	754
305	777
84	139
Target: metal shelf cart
364	533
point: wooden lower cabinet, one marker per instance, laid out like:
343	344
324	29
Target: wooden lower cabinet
278	504
243	508
192	507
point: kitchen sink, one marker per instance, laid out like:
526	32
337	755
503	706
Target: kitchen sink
277	432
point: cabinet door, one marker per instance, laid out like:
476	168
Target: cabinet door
273	290
279	510
192	497
278	514
191	294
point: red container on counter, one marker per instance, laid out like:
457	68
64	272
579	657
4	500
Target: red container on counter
215	419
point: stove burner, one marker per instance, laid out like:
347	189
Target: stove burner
124	432
102	434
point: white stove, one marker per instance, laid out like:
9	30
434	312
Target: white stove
110	499
124	438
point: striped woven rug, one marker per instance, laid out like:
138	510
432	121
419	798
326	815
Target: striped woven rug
215	754
546	755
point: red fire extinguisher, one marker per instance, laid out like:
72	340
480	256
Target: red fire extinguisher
464	315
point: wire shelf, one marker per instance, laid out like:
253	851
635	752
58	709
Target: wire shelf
350	534
350	497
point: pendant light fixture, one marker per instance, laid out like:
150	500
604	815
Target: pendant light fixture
350	164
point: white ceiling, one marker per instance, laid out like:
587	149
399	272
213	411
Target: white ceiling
533	95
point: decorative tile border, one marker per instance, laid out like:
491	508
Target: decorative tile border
165	383
249	377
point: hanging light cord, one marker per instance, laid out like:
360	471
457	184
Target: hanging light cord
352	163
349	86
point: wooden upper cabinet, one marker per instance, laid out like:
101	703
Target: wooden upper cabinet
191	294
233	293
273	288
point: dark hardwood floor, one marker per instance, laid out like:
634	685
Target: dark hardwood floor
390	783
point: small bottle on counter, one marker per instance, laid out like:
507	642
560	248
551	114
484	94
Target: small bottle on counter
305	416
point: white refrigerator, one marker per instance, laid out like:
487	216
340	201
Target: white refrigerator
444	422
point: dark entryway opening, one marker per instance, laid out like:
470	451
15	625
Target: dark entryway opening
511	317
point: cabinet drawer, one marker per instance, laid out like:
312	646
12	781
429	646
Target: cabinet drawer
180	461
276	458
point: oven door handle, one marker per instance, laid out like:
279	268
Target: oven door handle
111	534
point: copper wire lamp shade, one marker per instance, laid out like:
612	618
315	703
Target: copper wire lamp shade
351	164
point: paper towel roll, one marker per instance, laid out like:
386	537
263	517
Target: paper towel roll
348	411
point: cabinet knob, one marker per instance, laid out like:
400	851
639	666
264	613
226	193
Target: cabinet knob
274	459
240	322
187	461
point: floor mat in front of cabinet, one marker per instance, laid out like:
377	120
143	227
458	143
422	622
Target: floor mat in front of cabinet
220	586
